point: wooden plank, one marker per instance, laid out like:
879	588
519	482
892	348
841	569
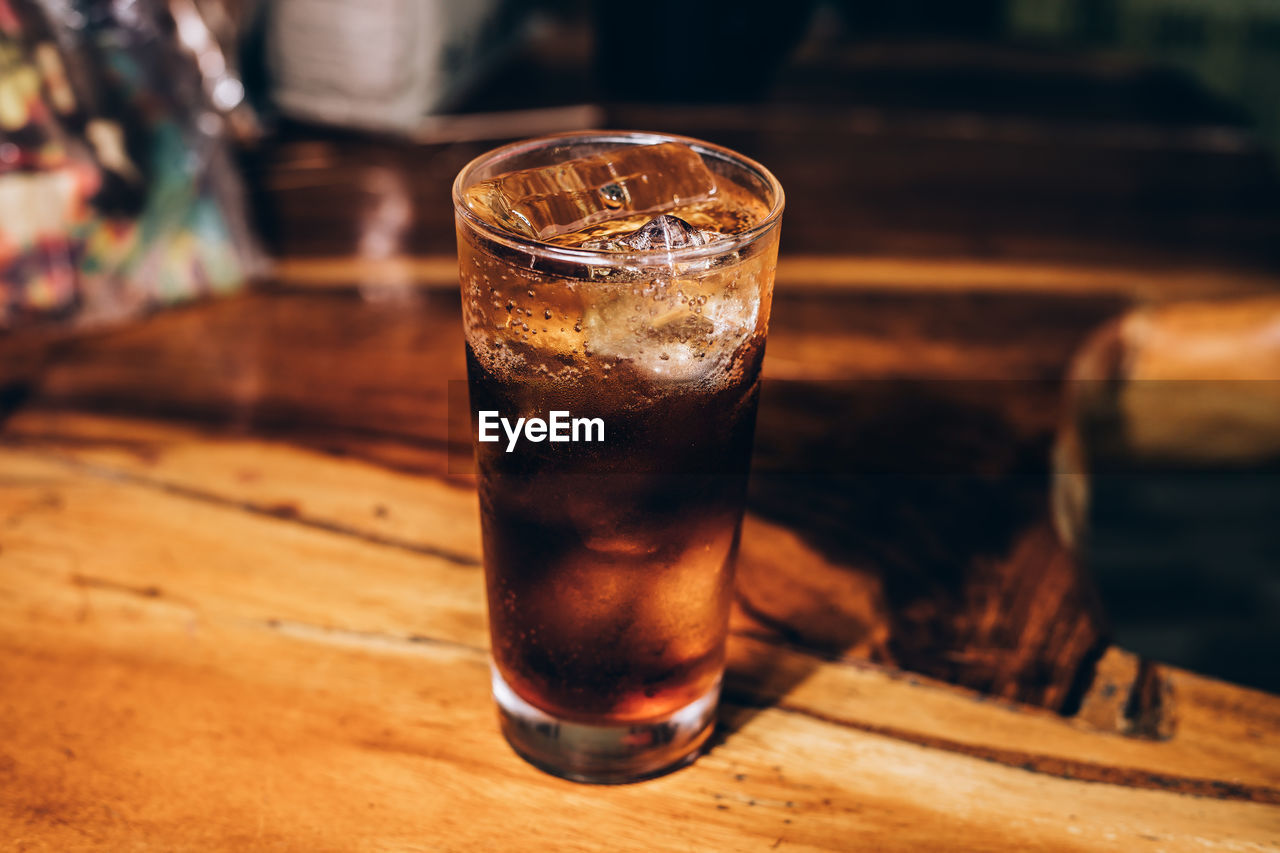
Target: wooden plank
146	716
172	719
313	362
273	478
196	550
1224	744
161	742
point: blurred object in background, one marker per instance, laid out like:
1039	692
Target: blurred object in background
709	52
1231	46
1167	477
117	188
385	64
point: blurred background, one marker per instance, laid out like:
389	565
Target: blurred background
996	193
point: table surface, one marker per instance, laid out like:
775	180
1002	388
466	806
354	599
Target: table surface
241	603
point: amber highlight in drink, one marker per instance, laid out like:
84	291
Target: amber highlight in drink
624	277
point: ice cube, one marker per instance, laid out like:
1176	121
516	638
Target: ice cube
565	197
674	330
661	232
680	609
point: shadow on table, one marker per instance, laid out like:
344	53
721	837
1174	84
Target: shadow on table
906	523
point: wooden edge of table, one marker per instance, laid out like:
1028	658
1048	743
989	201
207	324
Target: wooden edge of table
805	273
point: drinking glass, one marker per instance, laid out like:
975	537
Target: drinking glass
609	552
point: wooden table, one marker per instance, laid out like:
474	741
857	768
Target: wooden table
241	603
219	632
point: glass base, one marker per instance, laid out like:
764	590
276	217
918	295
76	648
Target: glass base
605	755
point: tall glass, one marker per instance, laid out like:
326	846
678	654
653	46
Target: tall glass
609	554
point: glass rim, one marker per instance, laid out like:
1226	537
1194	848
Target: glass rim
600	257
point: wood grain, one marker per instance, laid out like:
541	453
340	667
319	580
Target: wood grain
142	668
301	524
964	411
1211	753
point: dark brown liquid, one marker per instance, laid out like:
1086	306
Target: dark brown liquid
609	565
